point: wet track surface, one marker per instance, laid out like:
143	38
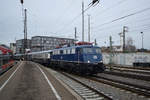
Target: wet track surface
27	83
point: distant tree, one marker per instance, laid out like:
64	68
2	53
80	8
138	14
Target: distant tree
129	45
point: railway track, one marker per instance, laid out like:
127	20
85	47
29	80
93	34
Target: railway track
141	90
79	89
130	67
101	88
85	91
145	71
129	75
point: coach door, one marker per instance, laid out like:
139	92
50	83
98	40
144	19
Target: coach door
1	61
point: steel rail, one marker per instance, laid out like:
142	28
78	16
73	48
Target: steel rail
141	90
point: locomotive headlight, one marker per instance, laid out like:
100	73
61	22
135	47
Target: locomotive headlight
88	61
101	61
94	57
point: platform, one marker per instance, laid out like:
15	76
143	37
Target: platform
31	81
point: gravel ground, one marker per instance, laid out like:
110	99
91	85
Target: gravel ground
116	93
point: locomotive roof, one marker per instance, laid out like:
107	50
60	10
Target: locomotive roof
78	46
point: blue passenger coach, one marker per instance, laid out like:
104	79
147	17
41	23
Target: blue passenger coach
85	59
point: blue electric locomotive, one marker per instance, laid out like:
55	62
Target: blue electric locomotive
83	59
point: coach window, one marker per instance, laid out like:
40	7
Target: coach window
51	53
55	52
0	61
66	51
58	52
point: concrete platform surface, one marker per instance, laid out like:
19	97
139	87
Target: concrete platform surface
30	81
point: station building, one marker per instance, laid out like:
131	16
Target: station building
41	43
20	46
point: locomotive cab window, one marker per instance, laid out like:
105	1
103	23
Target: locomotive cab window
98	50
91	50
87	50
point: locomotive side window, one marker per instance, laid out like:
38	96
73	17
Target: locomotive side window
64	52
68	51
58	52
73	51
61	51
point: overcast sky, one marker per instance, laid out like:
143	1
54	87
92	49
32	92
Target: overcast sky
59	17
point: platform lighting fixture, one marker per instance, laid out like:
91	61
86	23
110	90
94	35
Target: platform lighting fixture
142	34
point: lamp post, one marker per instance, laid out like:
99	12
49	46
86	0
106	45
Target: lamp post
83	11
142	34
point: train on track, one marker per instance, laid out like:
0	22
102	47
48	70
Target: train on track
83	58
6	59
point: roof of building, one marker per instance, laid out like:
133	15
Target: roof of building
4	49
52	37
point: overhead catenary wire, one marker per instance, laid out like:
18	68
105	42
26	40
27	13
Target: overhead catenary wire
110	7
123	17
76	17
130	28
118	25
143	29
70	22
